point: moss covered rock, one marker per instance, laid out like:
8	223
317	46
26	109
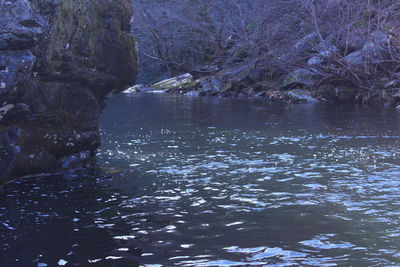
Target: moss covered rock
182	82
59	61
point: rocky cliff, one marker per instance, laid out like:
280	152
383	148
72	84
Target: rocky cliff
59	61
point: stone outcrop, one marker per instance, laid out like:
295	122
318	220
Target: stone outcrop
59	61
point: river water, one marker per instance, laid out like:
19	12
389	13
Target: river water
198	181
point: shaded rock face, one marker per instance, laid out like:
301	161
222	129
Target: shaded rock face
59	60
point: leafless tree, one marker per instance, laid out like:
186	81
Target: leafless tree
204	36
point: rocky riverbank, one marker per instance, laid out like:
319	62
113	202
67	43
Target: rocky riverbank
186	84
325	73
59	61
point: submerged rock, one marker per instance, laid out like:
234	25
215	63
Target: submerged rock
59	61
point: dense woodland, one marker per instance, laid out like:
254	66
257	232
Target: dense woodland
333	42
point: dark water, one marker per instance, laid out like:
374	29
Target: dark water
211	182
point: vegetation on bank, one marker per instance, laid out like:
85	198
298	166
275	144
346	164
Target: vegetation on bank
335	50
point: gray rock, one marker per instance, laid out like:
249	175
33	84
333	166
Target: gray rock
5	109
217	85
134	89
140	88
55	74
299	76
355	58
193	93
372	52
380	38
326	47
328	52
306	43
315	60
174	83
211	86
15	112
301	96
20	25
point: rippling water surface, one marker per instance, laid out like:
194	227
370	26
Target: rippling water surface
211	182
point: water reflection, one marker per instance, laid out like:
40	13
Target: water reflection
210	182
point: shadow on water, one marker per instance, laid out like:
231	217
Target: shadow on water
211	182
55	217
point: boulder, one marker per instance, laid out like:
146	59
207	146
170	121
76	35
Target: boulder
323	50
306	43
339	93
59	61
176	83
302	77
373	52
211	85
355	58
380	38
326	47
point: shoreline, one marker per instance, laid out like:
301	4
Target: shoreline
186	85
